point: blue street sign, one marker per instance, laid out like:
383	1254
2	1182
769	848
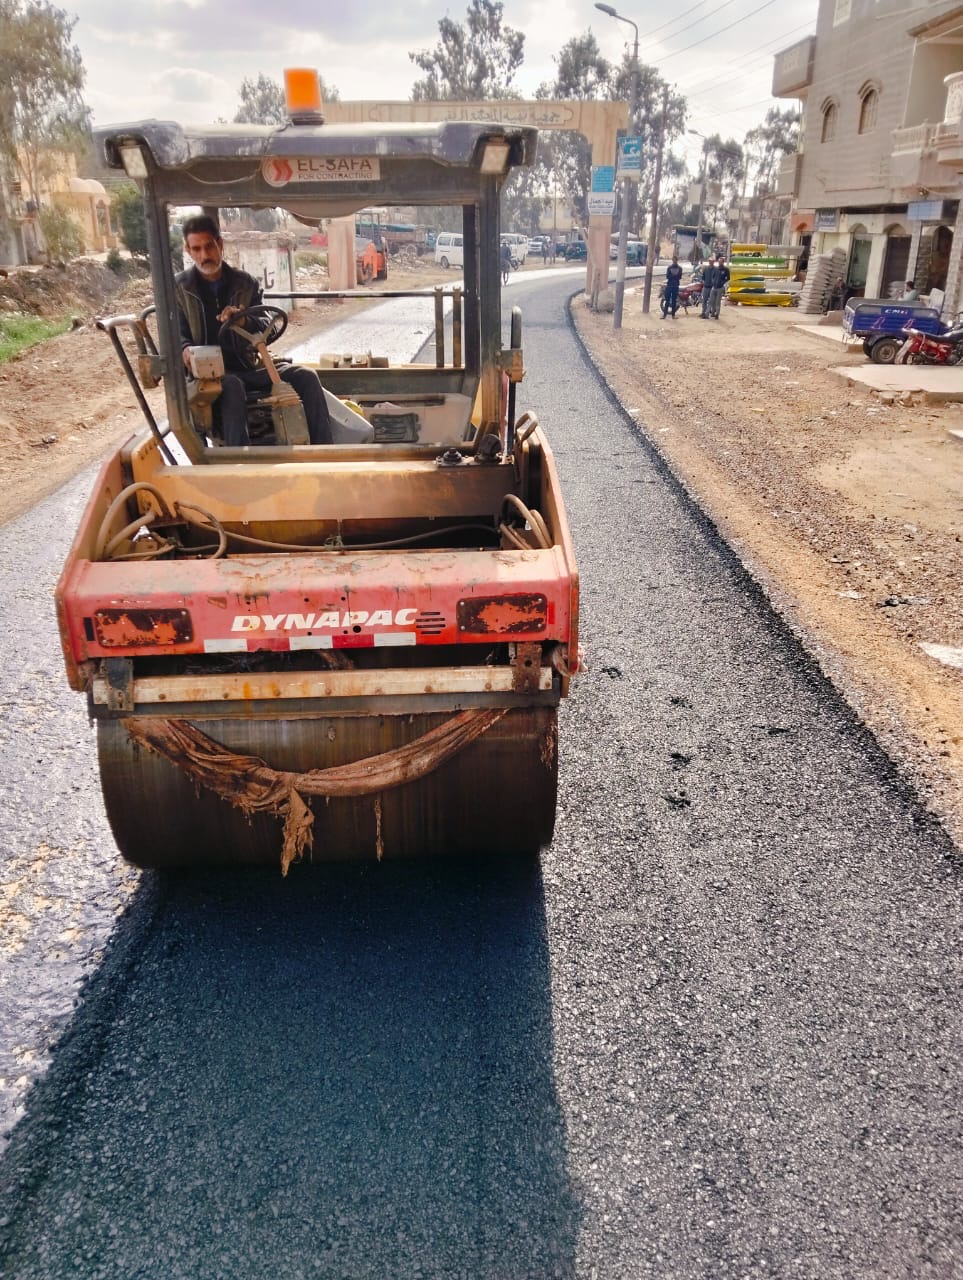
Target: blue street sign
630	158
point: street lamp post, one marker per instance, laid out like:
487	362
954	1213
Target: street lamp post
624	212
702	187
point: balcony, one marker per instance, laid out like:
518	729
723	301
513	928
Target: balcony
914	163
792	70
927	157
787	179
948	138
930	156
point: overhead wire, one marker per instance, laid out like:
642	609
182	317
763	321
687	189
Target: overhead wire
712	35
742	63
697	22
848	71
828	82
689	25
678	18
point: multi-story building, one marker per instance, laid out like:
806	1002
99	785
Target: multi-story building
879	171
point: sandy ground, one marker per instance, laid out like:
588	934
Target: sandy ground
848	511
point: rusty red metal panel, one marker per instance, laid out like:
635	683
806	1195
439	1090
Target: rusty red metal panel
327	599
137	628
503	615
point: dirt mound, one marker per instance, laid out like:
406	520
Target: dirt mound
84	287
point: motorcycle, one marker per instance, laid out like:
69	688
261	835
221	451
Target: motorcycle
690	294
930	348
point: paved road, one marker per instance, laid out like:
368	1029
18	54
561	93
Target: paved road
719	1034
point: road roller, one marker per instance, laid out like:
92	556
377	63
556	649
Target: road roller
350	650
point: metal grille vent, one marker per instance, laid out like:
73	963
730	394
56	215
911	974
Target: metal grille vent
429	623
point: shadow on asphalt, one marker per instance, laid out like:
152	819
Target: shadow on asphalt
344	1073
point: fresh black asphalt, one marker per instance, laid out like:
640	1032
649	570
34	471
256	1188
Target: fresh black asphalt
718	1034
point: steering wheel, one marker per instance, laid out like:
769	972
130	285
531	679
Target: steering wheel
233	329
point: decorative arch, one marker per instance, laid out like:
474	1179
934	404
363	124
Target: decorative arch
830	119
597	122
869	105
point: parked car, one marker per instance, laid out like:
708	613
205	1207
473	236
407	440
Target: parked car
518	243
450	249
635	252
535	246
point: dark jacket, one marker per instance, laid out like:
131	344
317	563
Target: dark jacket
238	290
673	275
710	278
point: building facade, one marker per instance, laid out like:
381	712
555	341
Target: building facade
50	179
879	171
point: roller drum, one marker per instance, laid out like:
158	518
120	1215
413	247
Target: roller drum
497	795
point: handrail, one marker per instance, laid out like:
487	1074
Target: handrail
146	347
427	292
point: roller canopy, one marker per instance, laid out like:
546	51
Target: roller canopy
321	169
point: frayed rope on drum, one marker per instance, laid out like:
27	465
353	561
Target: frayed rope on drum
252	786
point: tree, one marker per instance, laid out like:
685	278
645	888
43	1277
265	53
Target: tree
128	208
647	124
726	166
473	60
263	101
62	232
765	148
583	73
41	82
129	212
770	142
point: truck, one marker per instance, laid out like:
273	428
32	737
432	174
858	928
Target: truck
393	236
336	652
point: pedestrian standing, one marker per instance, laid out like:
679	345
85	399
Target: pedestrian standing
708	284
719	288
670	295
544	251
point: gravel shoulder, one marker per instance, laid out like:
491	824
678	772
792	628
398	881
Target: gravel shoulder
847	510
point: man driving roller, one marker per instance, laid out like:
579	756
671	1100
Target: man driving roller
209	294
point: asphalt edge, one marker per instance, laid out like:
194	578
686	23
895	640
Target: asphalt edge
24	1160
801	643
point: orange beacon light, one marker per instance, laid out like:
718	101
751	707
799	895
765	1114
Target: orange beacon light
303	94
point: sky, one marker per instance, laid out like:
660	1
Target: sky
185	59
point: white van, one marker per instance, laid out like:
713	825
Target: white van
519	245
450	249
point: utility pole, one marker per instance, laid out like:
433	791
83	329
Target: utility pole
624	213
650	253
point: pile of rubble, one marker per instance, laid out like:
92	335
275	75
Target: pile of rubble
85	285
